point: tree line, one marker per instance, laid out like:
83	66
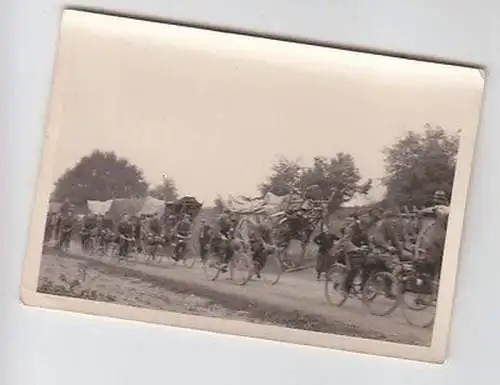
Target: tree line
416	165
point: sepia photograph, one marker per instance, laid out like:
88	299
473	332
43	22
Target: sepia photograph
252	186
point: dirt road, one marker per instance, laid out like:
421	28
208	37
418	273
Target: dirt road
297	301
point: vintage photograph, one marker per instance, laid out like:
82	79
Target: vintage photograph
252	186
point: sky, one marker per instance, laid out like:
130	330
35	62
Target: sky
213	111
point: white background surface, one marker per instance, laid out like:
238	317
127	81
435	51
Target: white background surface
47	347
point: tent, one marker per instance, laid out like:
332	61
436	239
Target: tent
152	206
130	206
99	207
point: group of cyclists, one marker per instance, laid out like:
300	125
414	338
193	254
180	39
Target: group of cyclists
138	232
363	235
382	239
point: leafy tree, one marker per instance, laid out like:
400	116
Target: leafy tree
165	191
419	164
100	176
336	179
285	177
338	176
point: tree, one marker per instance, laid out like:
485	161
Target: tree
419	164
100	176
338	176
165	191
285	177
336	179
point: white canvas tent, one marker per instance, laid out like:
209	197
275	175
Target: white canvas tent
99	207
152	206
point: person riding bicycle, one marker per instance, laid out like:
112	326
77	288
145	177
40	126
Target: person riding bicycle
49	226
439	211
108	228
89	224
224	237
153	226
126	235
204	238
355	245
261	246
297	224
183	230
99	231
371	236
66	229
325	241
169	227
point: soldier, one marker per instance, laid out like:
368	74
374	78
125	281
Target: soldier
261	246
182	231
66	230
224	237
325	240
126	234
204	238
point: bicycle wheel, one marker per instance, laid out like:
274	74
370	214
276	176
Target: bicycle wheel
272	270
189	258
334	283
419	306
241	268
382	293
212	266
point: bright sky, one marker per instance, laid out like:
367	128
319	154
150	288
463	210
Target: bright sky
213	111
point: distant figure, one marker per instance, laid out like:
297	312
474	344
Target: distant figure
126	234
184	227
66	230
182	231
108	223
137	232
325	241
223	238
57	231
169	227
49	227
261	247
89	224
153	226
65	207
204	238
435	238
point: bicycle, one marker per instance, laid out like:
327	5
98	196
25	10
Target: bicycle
153	243
180	250
240	262
268	268
380	283
64	241
419	293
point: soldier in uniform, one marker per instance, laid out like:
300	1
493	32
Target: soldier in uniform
66	229
325	241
